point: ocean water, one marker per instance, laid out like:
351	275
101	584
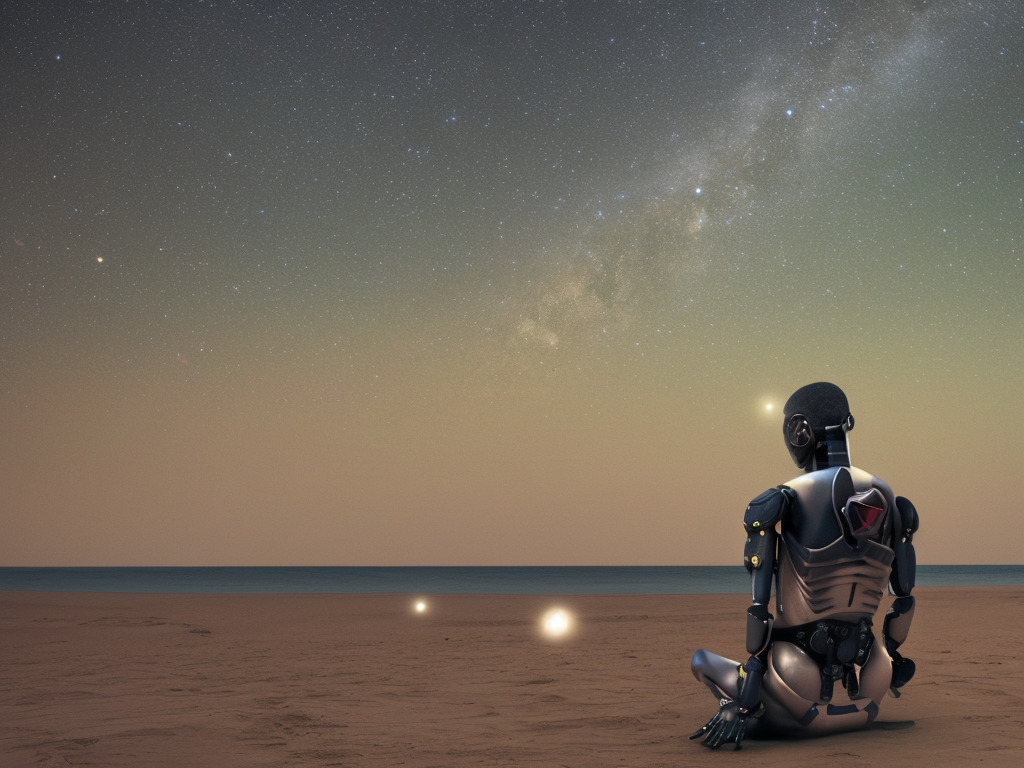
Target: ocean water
554	580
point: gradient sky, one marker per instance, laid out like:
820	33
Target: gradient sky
417	283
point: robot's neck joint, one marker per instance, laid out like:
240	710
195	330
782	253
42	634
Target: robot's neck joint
833	450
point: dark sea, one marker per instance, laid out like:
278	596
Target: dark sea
561	580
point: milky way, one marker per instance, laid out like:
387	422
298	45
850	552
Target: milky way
489	282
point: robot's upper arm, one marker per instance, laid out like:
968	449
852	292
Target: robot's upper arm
904	564
909	517
762	514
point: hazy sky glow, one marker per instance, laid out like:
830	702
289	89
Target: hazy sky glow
386	283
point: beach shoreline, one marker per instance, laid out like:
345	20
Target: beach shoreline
118	679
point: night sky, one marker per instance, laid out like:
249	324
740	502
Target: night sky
459	283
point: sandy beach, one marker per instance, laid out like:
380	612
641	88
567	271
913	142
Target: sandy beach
364	680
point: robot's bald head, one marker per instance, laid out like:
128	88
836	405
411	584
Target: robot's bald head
816	419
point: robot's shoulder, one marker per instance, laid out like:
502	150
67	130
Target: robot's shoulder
769	508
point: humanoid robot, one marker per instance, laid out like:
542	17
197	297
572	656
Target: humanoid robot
830	540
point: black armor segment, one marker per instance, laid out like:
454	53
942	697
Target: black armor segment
834	449
808	716
909	516
863	516
762	514
759	552
760	548
842	488
904	567
750	687
902	673
759	628
897	622
767	509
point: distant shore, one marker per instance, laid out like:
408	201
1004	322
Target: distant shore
367	680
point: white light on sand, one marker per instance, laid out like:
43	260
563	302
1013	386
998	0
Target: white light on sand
557	623
420	606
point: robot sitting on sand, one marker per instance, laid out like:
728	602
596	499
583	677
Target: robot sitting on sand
830	541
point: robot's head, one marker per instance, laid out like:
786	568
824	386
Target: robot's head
815	422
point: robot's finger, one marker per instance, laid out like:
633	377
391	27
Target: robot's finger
704	729
723	734
740	733
714	736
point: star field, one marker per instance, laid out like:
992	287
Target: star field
478	282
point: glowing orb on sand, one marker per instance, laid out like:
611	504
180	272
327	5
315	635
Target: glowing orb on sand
557	623
420	606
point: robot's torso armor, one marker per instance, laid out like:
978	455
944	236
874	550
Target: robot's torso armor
835	552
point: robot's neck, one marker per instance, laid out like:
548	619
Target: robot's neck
832	451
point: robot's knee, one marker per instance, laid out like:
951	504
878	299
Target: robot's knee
876	674
701	663
718	673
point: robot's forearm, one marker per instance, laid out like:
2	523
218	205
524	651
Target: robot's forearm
759	629
897	623
750	686
894	633
759	634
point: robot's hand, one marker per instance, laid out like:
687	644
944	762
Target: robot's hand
727	726
902	671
